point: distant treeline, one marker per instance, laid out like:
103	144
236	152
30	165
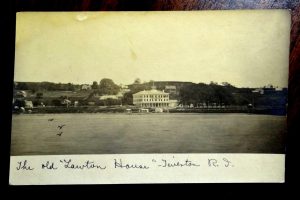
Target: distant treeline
208	93
105	86
187	93
227	94
40	86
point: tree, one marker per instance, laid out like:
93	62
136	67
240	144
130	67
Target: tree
39	95
19	103
109	102
213	83
208	94
137	81
56	102
223	96
70	87
22	86
139	87
108	87
95	85
127	98
226	84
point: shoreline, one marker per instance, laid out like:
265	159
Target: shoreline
87	109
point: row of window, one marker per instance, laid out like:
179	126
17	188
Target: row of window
155	104
155	96
148	100
155	99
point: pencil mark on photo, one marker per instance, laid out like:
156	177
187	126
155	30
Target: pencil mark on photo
60	126
59	134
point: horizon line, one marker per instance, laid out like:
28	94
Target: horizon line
269	84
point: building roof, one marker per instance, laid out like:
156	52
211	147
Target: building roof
104	97
153	91
172	87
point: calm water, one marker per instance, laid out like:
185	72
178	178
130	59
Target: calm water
149	133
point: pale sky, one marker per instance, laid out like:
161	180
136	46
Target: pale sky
244	48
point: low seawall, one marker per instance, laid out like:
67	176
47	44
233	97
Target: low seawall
97	109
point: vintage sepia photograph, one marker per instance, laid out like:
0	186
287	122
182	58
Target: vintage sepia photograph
150	82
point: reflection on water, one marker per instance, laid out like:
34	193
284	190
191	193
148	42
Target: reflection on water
38	134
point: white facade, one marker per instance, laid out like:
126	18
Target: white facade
171	89
28	104
173	103
104	97
86	87
151	99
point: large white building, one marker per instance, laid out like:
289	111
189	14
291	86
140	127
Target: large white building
151	99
